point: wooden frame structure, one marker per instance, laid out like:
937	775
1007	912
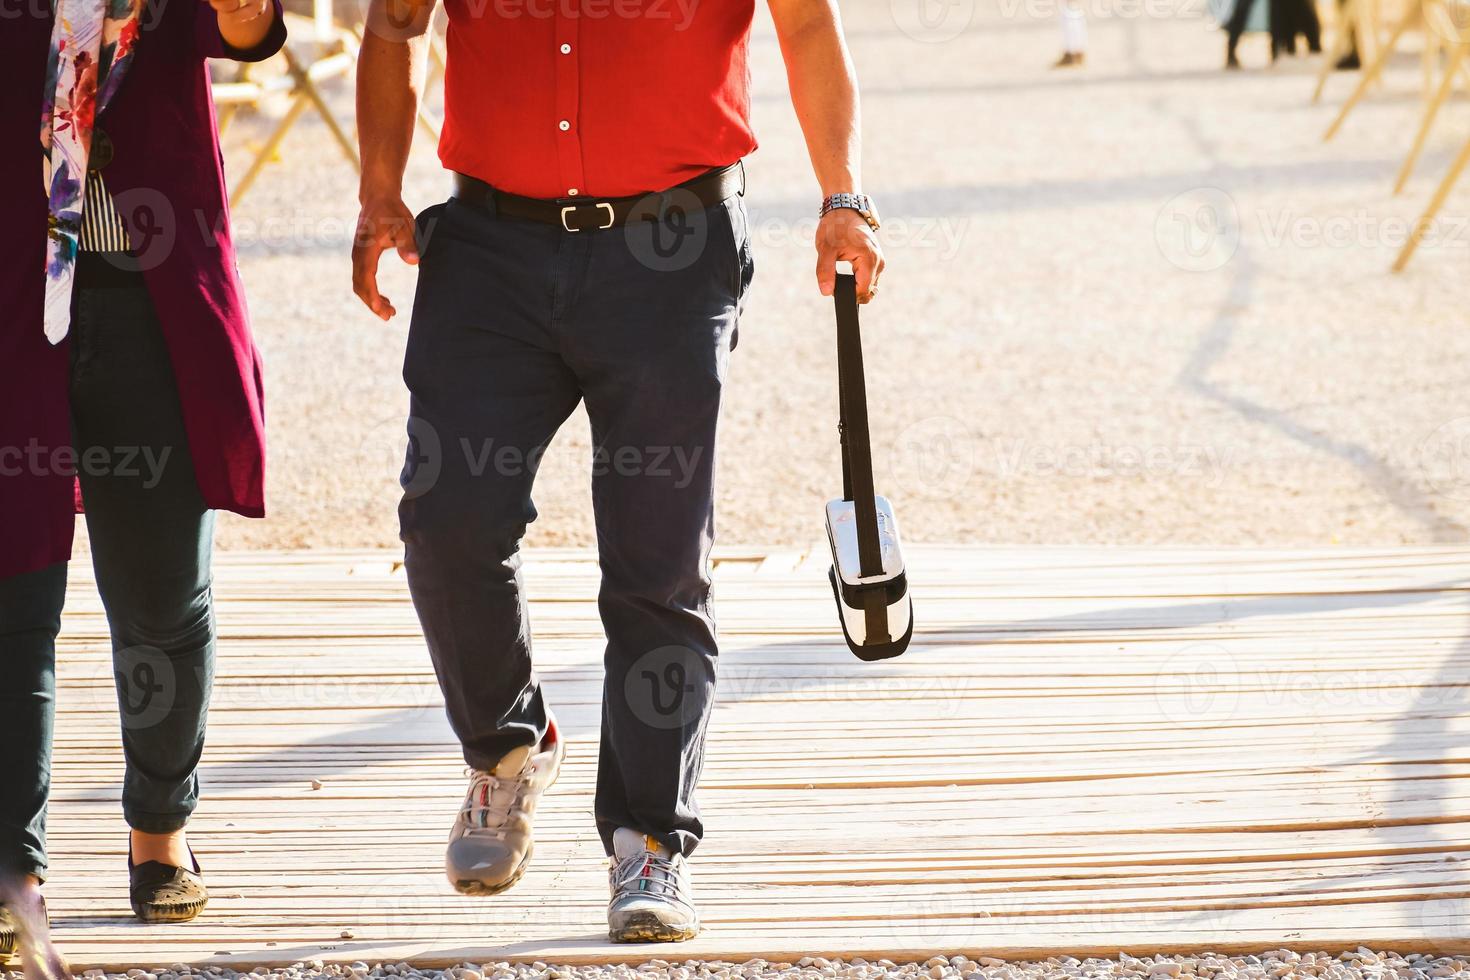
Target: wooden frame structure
330	54
1447	41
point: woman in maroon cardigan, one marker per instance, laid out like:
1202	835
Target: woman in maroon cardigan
128	383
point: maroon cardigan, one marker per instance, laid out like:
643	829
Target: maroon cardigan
162	126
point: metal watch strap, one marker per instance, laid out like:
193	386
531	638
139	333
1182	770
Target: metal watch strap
861	203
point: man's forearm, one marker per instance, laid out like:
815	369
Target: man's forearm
390	76
823	90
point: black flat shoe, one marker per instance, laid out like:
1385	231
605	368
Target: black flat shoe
164	893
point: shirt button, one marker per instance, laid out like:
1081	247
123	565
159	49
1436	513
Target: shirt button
571	192
564	125
566	49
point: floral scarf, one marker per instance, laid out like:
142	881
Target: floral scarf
92	43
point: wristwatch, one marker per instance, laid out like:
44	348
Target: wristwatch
861	203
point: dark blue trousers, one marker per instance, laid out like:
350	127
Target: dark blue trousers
514	324
151	538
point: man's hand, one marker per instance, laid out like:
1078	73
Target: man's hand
384	222
243	23
390	74
843	235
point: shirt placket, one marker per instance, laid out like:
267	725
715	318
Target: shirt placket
568	84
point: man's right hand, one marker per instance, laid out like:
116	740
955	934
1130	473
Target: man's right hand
384	222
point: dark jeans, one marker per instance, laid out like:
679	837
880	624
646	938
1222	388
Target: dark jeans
1288	19
514	323
150	536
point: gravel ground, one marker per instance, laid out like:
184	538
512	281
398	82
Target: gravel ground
1364	964
1067	349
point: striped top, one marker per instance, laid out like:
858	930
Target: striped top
102	226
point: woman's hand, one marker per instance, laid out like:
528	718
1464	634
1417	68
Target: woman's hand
243	23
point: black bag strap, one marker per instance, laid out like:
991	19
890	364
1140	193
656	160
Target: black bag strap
857	453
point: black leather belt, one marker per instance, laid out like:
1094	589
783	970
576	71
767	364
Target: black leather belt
597	214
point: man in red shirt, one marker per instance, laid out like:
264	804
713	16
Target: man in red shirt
596	249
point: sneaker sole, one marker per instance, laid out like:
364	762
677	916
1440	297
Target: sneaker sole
645	927
481	889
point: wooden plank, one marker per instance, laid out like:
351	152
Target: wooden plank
1085	750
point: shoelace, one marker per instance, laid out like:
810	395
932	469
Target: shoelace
490	795
649	872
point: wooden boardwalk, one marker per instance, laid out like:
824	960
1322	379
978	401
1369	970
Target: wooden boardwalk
1086	750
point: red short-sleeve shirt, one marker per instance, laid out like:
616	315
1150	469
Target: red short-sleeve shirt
602	98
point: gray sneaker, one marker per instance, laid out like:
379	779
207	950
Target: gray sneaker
651	899
491	843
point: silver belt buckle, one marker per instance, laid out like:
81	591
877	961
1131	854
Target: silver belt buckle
600	204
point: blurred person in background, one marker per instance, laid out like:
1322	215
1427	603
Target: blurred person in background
1074	34
1286	21
128	383
1351	61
